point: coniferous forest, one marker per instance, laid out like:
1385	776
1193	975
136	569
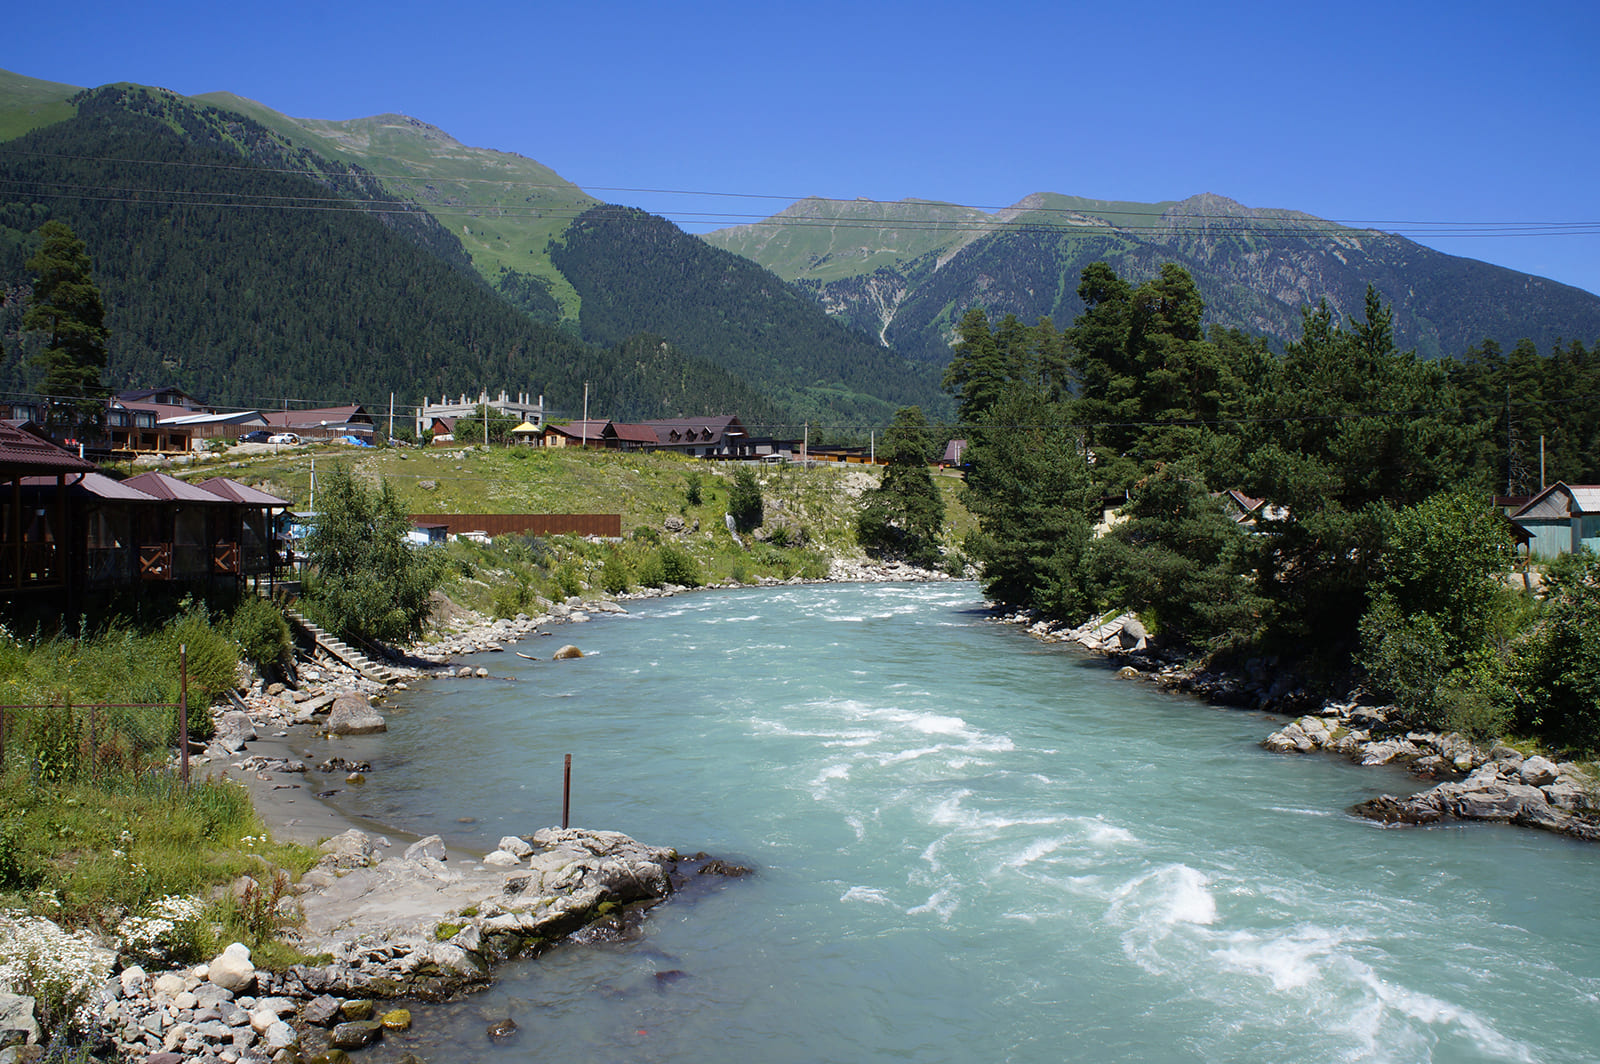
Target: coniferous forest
247	273
1363	536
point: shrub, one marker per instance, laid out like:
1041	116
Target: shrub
512	598
211	661
691	489
1407	658
1557	664
744	500
261	632
677	566
650	572
614	574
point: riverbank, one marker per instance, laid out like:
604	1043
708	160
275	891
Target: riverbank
1498	784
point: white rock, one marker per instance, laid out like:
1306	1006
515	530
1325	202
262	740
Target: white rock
280	1036
232	969
133	980
167	985
514	845
432	846
501	859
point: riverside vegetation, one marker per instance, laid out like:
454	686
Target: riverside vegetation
1376	561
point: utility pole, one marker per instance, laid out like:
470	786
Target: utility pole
805	447
391	415
585	437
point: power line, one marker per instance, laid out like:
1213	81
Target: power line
1278	221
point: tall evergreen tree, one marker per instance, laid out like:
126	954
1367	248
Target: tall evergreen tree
904	514
67	309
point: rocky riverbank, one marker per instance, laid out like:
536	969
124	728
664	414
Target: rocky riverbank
412	925
1498	785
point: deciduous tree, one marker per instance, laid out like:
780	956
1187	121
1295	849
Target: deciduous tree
369	582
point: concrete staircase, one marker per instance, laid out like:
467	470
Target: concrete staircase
338	649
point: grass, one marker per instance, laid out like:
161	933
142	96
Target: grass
90	854
96	831
812	506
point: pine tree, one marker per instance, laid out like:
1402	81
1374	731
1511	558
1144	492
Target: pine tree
67	308
904	514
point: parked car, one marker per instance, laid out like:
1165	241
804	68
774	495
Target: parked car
257	436
283	437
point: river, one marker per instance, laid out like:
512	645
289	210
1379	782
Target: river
971	846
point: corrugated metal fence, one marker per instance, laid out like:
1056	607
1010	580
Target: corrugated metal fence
608	526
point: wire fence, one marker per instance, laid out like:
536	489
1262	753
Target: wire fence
100	742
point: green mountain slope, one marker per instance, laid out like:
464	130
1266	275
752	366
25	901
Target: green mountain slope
28	103
249	271
636	271
504	208
1255	268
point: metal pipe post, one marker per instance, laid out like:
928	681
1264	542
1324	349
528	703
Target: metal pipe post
566	794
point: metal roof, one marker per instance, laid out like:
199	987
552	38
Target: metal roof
171	488
1562	500
97	485
234	491
23	453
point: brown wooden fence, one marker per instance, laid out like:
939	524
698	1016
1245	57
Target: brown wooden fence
608	526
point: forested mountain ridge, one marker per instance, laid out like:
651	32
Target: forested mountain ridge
213	285
907	271
634	270
507	217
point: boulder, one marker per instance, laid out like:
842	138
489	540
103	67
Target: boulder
514	845
357	1034
321	1011
279	1036
357	1009
568	651
349	849
501	859
17	1014
352	714
1537	771
233	730
432	847
232	969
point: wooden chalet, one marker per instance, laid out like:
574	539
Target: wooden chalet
189	538
32	531
252	525
576	434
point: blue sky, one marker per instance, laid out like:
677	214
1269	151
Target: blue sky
1463	115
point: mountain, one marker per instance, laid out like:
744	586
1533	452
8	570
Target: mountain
249	271
640	282
905	272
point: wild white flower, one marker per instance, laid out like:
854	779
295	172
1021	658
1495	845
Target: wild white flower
152	933
59	970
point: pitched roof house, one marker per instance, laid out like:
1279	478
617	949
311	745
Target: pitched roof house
1562	519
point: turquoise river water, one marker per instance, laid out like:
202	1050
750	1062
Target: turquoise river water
971	847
